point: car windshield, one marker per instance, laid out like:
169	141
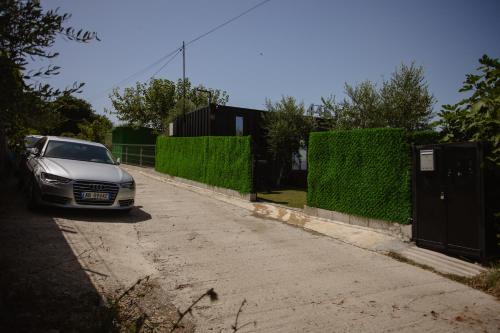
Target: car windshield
78	151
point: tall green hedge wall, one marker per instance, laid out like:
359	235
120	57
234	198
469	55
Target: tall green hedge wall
363	172
219	161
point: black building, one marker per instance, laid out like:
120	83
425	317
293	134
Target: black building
218	120
222	120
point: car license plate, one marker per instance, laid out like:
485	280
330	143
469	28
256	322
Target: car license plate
95	196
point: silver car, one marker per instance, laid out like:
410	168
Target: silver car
75	173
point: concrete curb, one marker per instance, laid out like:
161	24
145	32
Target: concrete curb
252	197
377	240
225	191
404	232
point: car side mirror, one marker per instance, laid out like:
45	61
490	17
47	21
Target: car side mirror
118	161
33	151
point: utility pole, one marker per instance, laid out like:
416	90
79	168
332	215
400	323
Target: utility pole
183	78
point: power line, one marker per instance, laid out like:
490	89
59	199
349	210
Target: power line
227	22
175	52
145	69
148	67
168	61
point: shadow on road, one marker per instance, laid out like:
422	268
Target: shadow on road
104	216
43	287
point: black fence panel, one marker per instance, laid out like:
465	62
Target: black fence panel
453	211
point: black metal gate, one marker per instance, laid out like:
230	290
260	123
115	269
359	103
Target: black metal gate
449	200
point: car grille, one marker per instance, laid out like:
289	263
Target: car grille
92	186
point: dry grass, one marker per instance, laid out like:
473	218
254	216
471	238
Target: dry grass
488	281
143	308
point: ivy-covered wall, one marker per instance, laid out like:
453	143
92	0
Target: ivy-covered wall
365	172
224	161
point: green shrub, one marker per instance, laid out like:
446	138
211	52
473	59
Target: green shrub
218	161
362	172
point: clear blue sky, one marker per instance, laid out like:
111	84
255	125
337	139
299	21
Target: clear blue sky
306	49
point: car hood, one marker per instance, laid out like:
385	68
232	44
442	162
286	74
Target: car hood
81	170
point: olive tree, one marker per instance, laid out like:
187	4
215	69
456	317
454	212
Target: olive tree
287	128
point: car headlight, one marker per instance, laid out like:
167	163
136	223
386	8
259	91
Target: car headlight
129	185
53	179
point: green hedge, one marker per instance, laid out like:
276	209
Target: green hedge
218	161
361	172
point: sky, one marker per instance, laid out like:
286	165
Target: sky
306	49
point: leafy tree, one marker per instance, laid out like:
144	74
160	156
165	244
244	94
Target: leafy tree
406	100
403	101
287	130
476	118
156	103
327	114
159	98
27	33
95	130
130	106
76	118
72	111
200	98
360	109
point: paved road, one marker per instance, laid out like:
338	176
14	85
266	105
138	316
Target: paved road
292	280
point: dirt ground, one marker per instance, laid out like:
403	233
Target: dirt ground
49	284
64	271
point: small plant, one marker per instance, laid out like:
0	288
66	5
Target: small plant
210	293
488	281
236	326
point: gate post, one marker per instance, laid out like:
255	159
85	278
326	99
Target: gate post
140	156
414	166
126	154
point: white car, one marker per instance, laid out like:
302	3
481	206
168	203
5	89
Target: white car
75	173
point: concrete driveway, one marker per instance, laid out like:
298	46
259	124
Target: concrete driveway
292	280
